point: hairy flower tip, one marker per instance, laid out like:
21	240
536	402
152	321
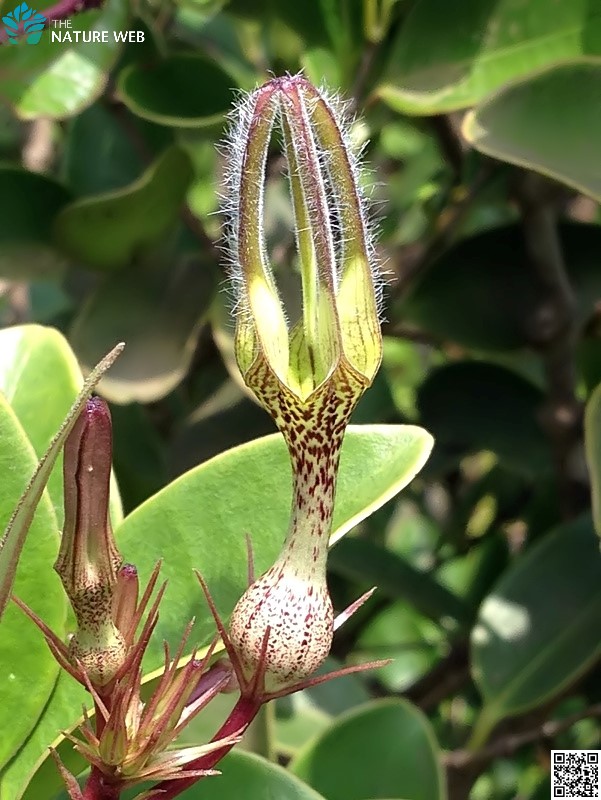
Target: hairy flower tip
88	561
339	324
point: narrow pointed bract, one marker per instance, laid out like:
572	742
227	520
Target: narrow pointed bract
310	376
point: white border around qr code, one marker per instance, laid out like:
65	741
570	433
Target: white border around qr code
574	771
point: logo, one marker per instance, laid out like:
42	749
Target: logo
24	21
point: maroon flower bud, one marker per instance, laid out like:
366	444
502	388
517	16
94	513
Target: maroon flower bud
88	560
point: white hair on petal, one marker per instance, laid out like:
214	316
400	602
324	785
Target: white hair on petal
233	150
345	119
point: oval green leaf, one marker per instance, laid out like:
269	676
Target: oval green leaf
201	519
168	92
520	125
483	293
28	669
33	356
107	231
539	628
382	749
250	776
29	205
57	79
450	55
158	309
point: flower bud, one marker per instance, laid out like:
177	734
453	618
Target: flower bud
308	376
339	325
88	560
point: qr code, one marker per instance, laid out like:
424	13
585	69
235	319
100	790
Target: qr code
575	774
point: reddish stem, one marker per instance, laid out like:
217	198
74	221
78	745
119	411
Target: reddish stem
241	716
97	787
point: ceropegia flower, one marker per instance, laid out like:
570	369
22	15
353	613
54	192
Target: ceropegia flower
308	375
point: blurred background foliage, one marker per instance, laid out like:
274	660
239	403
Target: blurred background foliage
481	127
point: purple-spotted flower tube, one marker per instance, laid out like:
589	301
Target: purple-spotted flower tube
310	374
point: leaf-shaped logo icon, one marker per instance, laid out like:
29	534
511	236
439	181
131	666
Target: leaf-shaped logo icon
24	20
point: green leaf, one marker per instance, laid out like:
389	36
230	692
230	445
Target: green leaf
158	309
15	533
382	749
450	55
29	205
201	519
361	559
32	772
28	669
252	777
107	231
168	92
412	642
32	356
519	124
57	79
473	405
100	152
539	628
592	442
483	293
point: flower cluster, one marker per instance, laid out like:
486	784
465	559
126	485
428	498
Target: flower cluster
309	375
130	739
